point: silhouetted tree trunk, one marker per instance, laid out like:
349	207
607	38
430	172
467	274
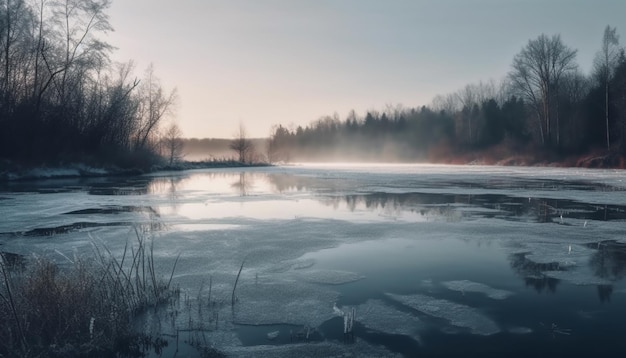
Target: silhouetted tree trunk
241	144
155	105
173	144
604	65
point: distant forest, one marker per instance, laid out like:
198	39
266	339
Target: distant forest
545	109
63	100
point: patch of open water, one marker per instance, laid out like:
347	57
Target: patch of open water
432	260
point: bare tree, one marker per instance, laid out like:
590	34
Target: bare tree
15	38
242	145
173	143
604	66
447	103
155	105
468	97
536	73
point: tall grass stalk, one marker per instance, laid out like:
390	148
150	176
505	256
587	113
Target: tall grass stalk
232	298
81	308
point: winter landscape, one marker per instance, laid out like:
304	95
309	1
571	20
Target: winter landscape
368	260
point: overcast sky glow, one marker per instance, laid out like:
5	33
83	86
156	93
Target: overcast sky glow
264	62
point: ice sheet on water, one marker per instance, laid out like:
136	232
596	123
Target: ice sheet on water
457	314
564	254
520	330
286	302
469	286
359	349
582	276
287	265
330	277
379	316
202	227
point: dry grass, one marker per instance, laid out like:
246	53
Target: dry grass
83	308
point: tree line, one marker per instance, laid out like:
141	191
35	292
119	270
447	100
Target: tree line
63	99
546	104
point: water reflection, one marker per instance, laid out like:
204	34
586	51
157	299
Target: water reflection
478	206
412	204
533	273
609	261
244	183
605	292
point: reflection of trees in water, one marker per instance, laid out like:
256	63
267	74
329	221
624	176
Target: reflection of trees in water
396	204
500	206
609	260
605	292
243	184
287	182
168	186
126	187
533	273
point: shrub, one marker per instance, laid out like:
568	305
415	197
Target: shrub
83	308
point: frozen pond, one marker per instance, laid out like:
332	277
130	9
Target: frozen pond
431	260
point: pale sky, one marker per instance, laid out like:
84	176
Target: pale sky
265	62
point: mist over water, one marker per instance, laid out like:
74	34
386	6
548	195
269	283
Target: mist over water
434	260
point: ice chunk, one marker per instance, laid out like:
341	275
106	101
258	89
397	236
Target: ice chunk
520	330
457	314
469	286
287	265
579	276
359	349
303	264
564	255
287	302
379	316
331	277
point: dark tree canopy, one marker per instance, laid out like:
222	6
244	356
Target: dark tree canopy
62	99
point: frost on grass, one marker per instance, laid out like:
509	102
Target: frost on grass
378	316
330	277
284	302
457	314
359	349
469	286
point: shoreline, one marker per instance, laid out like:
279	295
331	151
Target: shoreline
12	172
18	173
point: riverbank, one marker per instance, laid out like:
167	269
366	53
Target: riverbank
10	171
596	159
526	157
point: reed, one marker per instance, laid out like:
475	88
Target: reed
84	307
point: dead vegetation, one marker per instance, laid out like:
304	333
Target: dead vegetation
82	307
